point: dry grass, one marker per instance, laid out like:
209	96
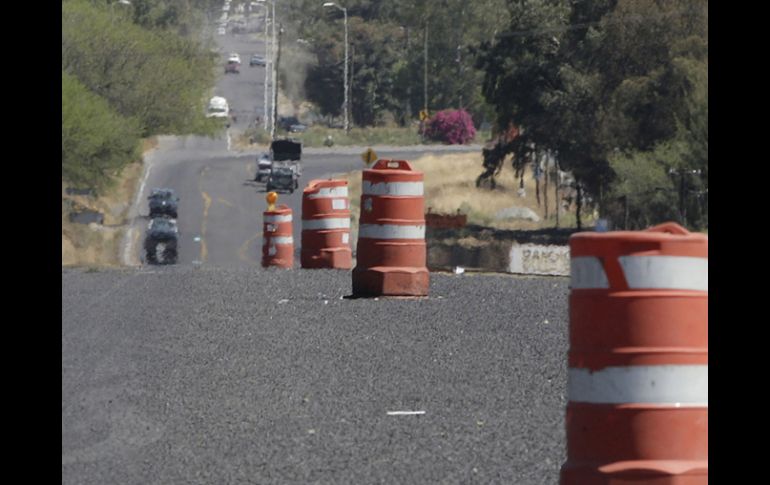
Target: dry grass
450	185
92	244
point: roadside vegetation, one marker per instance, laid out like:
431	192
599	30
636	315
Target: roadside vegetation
615	92
129	72
448	190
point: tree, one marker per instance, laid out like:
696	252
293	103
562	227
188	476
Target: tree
157	77
96	141
602	83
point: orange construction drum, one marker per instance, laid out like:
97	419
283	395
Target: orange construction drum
277	242
637	388
326	225
391	253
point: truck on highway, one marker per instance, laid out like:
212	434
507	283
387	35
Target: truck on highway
284	164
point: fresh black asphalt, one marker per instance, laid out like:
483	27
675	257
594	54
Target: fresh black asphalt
206	375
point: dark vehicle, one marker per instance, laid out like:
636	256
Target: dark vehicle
233	67
256	60
285	149
282	179
286	122
163	203
160	241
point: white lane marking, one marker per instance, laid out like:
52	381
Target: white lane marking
128	241
666	272
391	231
331	223
587	272
405	413
677	385
228	140
278	218
329	192
392	188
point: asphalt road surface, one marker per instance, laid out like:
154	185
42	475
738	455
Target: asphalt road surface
217	371
220	208
202	375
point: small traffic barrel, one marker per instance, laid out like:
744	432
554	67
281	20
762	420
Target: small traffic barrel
637	384
391	253
277	241
326	225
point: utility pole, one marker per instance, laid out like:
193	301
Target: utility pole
276	43
275	83
425	76
267	62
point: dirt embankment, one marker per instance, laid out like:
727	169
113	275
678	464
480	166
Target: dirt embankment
99	244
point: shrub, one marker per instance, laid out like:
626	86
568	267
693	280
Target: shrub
451	126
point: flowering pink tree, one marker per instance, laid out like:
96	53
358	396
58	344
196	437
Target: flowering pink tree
454	127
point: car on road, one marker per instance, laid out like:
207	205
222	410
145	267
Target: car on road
221	31
163	203
264	167
234	57
282	179
232	67
161	241
256	60
218	108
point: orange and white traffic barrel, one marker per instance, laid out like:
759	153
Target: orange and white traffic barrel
637	387
326	225
277	241
391	253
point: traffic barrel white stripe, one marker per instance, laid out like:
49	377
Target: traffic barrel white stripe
279	240
675	385
330	223
666	272
278	218
392	188
391	231
329	192
587	272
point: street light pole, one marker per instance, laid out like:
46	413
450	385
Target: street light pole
269	52
345	86
275	88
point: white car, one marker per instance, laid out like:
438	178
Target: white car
234	58
218	108
221	31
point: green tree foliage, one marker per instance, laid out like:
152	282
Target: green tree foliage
96	141
387	61
155	76
618	88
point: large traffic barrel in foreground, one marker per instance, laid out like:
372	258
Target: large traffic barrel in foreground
637	409
391	253
326	225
